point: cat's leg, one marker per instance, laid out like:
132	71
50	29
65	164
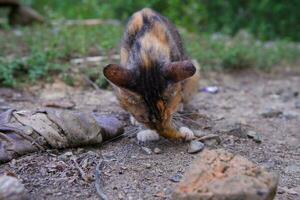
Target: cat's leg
147	135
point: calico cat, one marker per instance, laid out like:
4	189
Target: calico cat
154	77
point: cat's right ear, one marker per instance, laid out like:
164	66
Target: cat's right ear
119	76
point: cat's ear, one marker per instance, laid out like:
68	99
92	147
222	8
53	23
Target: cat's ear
119	76
178	71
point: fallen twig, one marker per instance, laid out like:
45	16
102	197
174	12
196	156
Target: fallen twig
98	184
209	137
86	22
82	173
94	59
94	85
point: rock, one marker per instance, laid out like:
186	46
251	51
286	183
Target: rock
290	115
176	178
195	147
147	150
66	155
157	150
217	174
251	134
148	165
292	169
255	136
297	104
11	188
271	113
257	139
287	190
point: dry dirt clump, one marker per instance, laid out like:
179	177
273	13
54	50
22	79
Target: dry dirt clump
219	175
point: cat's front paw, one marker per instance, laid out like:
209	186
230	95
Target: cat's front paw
187	134
147	135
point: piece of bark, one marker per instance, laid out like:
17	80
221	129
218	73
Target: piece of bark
219	175
26	131
59	103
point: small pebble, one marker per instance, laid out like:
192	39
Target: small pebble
257	139
270	113
210	89
291	191
148	165
195	146
176	178
66	155
251	134
255	136
157	150
292	169
290	115
80	150
69	153
147	150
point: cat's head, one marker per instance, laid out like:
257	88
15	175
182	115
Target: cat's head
150	94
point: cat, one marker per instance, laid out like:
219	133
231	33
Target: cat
154	77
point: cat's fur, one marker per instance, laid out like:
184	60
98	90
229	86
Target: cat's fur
155	75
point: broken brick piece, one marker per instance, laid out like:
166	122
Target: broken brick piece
219	175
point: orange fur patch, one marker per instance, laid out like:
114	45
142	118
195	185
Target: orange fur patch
136	23
124	56
153	44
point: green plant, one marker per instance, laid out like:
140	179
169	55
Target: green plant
266	19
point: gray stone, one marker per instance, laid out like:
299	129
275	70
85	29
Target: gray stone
195	147
157	150
255	136
217	174
292	169
176	178
290	115
146	150
271	113
11	188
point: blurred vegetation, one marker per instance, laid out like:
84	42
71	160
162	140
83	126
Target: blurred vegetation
266	19
212	31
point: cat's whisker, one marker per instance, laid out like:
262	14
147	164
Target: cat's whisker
187	119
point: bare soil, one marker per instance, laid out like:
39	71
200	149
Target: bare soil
130	172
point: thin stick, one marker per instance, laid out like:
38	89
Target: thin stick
95	86
82	173
209	137
98	184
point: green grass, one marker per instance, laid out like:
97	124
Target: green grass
39	52
219	51
29	54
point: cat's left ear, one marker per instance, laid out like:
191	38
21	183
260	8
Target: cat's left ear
119	76
178	71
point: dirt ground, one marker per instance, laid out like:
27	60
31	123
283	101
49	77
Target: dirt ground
131	172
